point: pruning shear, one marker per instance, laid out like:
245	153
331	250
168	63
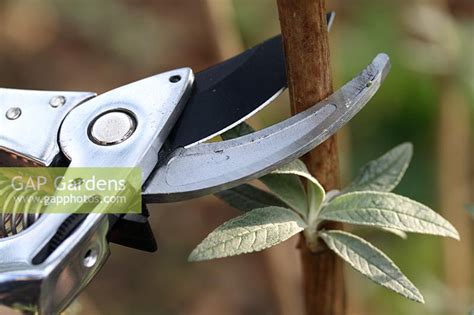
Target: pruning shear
159	124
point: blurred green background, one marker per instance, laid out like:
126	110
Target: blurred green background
428	99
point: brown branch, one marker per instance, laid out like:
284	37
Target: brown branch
305	38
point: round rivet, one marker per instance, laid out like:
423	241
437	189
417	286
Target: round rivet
13	113
112	128
57	101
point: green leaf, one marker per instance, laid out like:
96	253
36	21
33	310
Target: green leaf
294	194
251	232
384	173
240	130
288	188
387	210
247	197
371	262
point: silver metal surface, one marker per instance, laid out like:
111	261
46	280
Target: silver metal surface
49	286
209	168
155	102
112	128
32	134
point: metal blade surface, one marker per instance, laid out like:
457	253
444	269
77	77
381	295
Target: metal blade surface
211	167
232	91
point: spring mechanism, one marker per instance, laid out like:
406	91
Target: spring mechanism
18	209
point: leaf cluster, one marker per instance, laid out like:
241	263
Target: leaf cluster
289	207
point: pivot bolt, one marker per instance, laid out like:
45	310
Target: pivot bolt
112	128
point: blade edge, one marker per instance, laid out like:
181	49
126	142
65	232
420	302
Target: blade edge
187	133
226	164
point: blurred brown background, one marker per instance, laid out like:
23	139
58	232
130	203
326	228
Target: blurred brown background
428	99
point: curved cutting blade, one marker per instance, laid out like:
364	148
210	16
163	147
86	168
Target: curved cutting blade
232	91
211	167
